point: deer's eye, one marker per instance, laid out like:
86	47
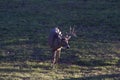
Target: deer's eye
63	39
64	43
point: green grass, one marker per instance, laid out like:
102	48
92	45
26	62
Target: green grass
24	29
40	71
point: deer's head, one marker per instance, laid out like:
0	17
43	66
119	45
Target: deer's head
66	38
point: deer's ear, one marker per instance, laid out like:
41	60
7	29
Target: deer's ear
69	37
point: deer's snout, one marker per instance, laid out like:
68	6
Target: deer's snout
68	47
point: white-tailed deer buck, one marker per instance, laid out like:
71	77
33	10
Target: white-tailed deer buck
57	41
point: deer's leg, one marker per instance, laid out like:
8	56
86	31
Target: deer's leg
54	57
58	56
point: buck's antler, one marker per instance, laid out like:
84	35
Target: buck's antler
72	32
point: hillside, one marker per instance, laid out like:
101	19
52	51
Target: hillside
24	29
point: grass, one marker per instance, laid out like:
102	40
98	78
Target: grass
40	70
24	29
32	62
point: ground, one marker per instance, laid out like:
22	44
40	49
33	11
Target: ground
24	30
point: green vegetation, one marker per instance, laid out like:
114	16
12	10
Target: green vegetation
24	28
42	71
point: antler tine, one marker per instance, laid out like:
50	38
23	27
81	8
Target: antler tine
73	30
70	30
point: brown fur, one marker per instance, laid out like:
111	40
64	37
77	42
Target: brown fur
57	42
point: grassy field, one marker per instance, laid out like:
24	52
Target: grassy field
24	28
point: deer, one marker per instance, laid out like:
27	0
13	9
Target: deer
58	41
